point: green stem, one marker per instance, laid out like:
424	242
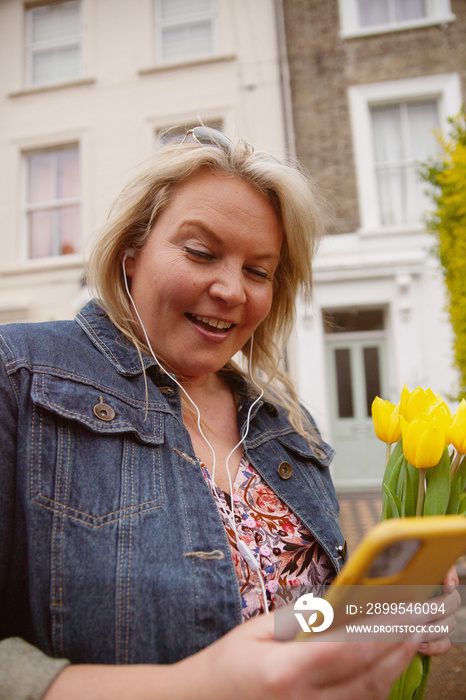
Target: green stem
388	452
421	492
455	463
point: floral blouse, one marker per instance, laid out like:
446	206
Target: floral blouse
288	554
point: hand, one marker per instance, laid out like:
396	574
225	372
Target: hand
249	663
439	644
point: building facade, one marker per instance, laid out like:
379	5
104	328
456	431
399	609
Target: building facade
371	82
86	87
354	87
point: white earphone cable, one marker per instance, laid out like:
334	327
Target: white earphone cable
244	550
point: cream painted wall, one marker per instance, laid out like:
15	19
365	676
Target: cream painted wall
113	113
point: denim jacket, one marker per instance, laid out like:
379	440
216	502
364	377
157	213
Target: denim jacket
112	549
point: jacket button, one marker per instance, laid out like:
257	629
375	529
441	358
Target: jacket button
103	410
285	470
342	549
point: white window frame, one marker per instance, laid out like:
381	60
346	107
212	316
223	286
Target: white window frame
438	12
444	88
56	203
160	25
33	48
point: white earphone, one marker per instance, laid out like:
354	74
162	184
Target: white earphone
244	550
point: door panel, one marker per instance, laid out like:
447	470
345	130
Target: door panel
357	374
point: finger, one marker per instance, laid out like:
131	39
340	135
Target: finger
435	648
451	580
444	605
336	662
375	681
440	631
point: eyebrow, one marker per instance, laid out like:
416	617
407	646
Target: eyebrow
202	226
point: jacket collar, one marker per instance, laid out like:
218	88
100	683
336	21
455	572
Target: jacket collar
123	355
110	341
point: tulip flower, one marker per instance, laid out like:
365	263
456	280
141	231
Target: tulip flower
426	428
418	401
386	417
441	414
457	431
424	440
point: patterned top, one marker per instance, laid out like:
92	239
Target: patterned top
288	554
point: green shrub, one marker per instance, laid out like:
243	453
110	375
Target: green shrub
448	222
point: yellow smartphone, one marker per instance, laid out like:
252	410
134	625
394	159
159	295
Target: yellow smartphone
409	557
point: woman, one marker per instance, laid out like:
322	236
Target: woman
125	539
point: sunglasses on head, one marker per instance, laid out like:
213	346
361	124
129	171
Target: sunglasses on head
206	136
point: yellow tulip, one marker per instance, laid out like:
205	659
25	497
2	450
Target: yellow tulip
457	431
386	417
417	402
441	413
424	440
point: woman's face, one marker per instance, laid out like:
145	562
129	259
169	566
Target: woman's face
202	282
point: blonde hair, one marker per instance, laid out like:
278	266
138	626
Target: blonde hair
133	216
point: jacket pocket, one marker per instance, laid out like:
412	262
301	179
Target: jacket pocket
314	461
95	456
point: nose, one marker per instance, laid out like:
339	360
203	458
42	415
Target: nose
229	286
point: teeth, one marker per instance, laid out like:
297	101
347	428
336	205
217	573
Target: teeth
214	322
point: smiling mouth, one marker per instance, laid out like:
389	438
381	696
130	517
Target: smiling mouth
211	324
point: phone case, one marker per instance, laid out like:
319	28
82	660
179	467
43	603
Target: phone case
399	560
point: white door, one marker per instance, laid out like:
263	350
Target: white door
356	366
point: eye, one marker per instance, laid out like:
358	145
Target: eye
260	274
198	253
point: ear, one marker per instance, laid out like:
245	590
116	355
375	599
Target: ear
127	261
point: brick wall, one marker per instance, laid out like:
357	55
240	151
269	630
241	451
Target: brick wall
323	66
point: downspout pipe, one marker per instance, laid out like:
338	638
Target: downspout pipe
285	87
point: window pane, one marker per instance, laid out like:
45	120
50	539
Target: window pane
172	9
41	178
68	230
409	9
56	64
373	12
386	124
403	135
187	41
422	121
391	190
53	220
55	22
201	39
372	376
67	174
344	383
353	321
54	42
40	226
175	43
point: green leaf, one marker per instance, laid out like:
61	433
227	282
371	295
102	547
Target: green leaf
462	506
392	464
393	504
401	486
455	494
460	473
412	486
413	678
392	509
407	685
438	487
426	661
